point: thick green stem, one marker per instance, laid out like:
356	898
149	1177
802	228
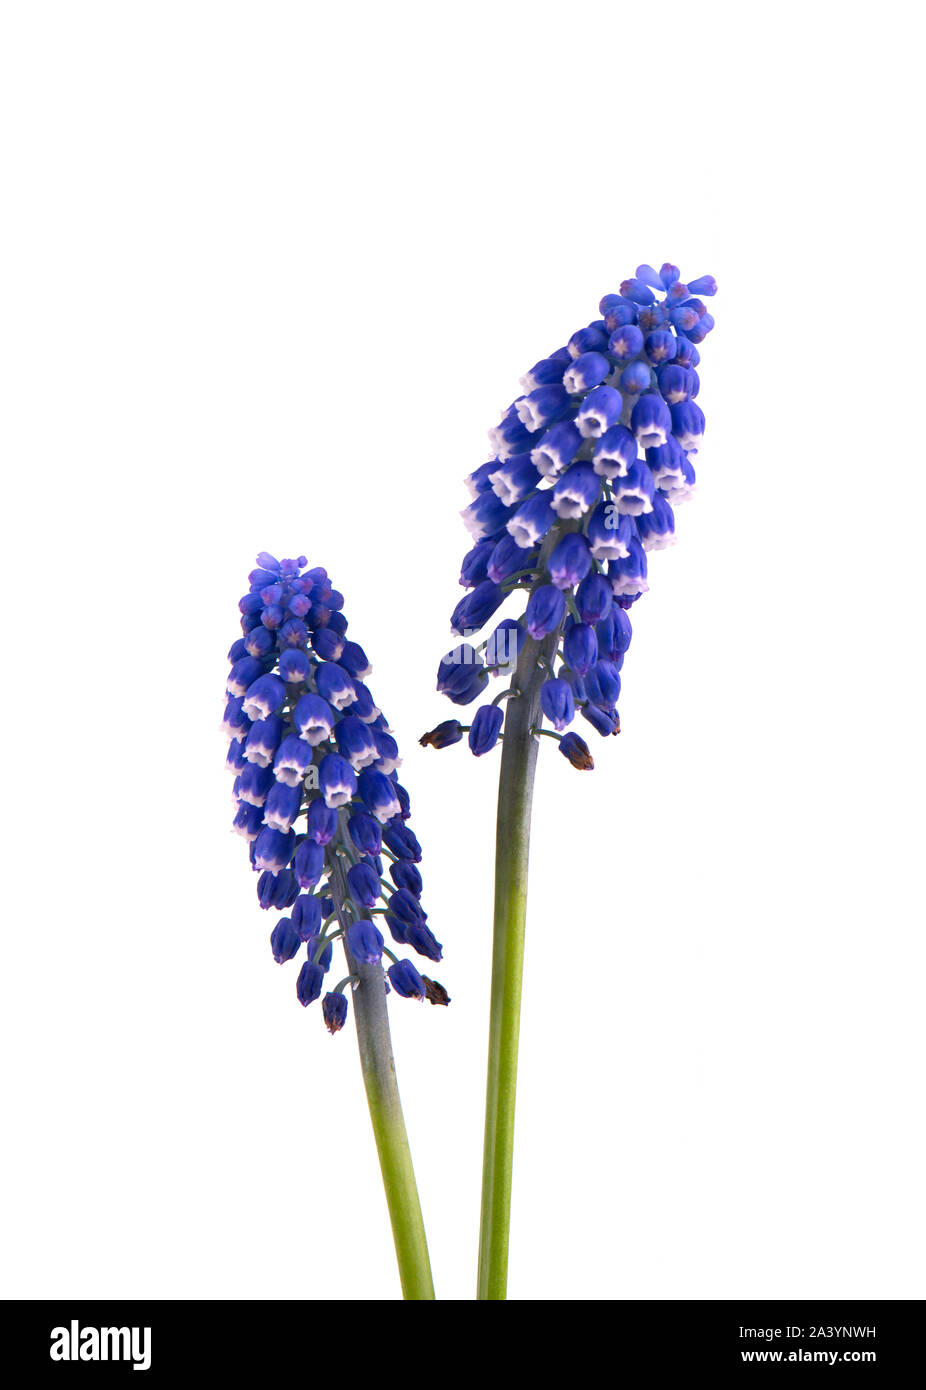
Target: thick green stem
395	1159
512	844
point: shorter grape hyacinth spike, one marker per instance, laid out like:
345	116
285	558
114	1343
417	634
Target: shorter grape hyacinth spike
589	465
316	792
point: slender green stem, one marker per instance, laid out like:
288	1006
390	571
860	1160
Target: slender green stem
512	844
395	1159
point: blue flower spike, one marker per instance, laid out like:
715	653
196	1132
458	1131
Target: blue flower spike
588	468
316	789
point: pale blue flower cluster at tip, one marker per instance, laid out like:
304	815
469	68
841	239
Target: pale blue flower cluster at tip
316	791
590	461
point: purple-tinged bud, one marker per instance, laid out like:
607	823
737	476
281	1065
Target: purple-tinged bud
576	491
599	411
556	448
651	421
422	939
621	313
314	719
279	891
688	424
475	563
507	559
406	981
260	642
660	346
586	372
400	840
676	383
485	729
307	916
593	598
570	561
590	339
557	703
334	1011
406	907
336	780
532	521
293	633
626	342
451	731
514	479
614	633
669	274
405	875
580	647
603	721
546	609
328	645
378	795
577	751
273	616
284	941
309	864
365	942
609	531
457	670
683	317
541	407
657	528
603	684
273	849
686	354
637	291
650	277
476	608
365	832
282	806
633	494
310	981
705	284
635	378
321	822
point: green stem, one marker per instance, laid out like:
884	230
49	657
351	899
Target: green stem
512	844
395	1159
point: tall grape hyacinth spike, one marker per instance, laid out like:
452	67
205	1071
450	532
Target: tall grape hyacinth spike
590	463
587	468
318	800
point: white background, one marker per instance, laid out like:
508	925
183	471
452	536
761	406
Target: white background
269	273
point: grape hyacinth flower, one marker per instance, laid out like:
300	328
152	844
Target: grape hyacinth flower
612	427
318	800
